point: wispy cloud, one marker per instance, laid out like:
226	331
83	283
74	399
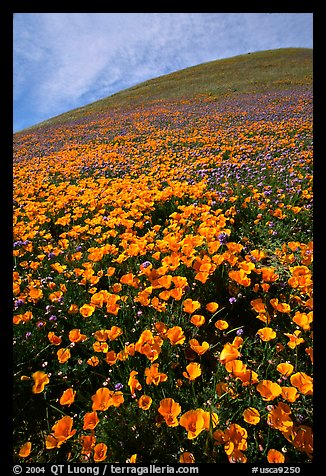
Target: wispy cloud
65	60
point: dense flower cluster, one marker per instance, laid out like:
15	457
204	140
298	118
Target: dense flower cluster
163	284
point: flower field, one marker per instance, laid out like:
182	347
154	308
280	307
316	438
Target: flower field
163	283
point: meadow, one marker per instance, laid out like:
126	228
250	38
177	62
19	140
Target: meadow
163	287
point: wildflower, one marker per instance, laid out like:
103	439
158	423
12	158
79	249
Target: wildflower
230	351
186	457
102	399
114	332
88	443
40	380
62	431
195	421
100	451
279	417
154	376
303	320
294	339
212	307
25	449
76	336
190	306
251	416
266	334
55	340
302	382
175	335
235	442
193	371
200	349
145	402
133	382
169	409
274	456
68	397
290	394
268	389
132	459
197	320
240	277
86	310
93	361
63	355
285	368
90	420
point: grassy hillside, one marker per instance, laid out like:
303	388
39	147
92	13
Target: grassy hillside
253	72
163	271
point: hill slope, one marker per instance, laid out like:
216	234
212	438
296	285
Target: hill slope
253	72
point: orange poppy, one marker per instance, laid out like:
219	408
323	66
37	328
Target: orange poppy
199	349
251	416
76	336
88	443
212	306
221	325
133	382
240	277
268	389
62	432
111	357
285	368
90	420
114	332
193	371
190	306
302	382
25	449
169	409
93	361
290	394
274	456
145	402
279	418
55	340
197	320
229	352
154	376
100	451
194	422
86	310
303	320
175	335
40	380
63	355
266	334
294	339
102	399
132	459
68	397
186	457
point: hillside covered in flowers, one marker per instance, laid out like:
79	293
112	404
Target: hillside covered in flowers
163	288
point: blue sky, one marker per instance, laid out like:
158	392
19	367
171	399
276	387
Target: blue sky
67	60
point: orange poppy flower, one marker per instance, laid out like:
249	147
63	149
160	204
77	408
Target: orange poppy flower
133	382
176	293
154	376
290	394
302	382
186	457
268	389
274	456
93	361
303	320
55	340
76	336
63	355
62	432
212	307
149	345
68	397
294	339
193	371
40	380
114	332
229	352
169	409
266	334
175	335
88	443
199	349
285	368
86	310
190	306
100	451
251	416
221	325
194	422
111	357
235	442
132	459
240	277
25	450
197	320
279	418
102	399
302	439
100	347
90	420
145	402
